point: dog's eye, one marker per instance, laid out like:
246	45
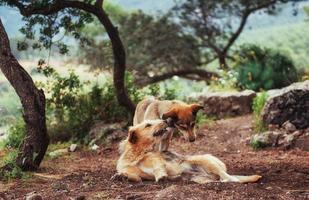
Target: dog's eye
147	125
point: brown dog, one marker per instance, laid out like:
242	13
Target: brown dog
182	115
139	161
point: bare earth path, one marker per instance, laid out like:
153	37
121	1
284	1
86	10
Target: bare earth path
87	174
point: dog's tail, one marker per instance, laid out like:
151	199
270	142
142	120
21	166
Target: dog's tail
247	179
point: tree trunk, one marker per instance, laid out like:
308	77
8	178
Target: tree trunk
222	62
33	147
120	61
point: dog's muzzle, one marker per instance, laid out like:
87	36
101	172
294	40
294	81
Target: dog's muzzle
170	122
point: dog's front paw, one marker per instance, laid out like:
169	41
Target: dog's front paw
162	179
118	177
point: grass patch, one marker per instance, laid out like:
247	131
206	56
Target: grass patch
16	134
256	144
258	104
8	168
58	145
203	120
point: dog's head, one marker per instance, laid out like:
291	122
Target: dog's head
145	134
183	117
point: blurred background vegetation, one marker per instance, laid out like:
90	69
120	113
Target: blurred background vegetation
271	52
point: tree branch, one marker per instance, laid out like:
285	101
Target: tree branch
99	3
51	8
243	23
186	73
118	48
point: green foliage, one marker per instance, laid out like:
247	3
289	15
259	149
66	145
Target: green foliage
72	108
154	90
154	45
255	144
210	23
258	104
263	68
162	92
9	105
226	83
306	9
289	38
16	134
202	119
169	93
9	170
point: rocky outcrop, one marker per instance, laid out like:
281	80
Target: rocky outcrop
285	137
288	104
223	104
102	132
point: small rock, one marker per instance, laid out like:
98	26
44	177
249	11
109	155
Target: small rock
297	133
289	138
288	141
223	104
94	147
273	127
302	143
268	138
73	147
289	126
80	198
33	196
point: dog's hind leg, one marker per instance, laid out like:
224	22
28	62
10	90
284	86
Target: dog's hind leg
154	165
132	173
212	165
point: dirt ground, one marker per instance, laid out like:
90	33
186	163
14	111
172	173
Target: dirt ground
87	174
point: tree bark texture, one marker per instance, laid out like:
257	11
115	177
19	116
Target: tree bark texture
35	143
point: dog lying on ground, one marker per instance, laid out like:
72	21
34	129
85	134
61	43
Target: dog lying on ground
182	115
140	161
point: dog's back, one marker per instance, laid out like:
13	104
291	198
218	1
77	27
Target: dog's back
151	108
140	110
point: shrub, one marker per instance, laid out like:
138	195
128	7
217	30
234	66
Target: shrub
8	168
255	144
16	134
263	68
164	92
9	107
169	93
72	108
202	119
258	104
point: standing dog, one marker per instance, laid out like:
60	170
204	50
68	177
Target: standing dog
182	115
139	160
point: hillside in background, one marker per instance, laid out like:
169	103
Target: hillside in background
292	39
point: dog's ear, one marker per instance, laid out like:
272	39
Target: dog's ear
195	108
172	114
132	136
